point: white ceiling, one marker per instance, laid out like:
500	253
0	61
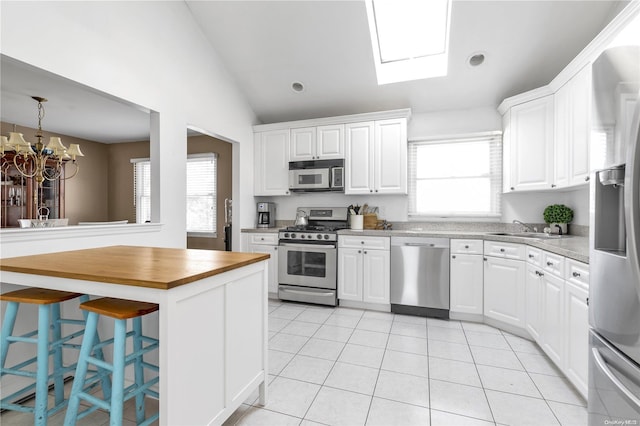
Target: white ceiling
267	45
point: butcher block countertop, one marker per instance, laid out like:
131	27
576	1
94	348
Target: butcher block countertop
152	267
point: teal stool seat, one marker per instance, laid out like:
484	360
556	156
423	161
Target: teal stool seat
121	311
48	302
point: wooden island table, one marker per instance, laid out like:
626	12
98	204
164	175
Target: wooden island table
212	321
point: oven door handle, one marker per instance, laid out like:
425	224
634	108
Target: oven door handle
330	293
311	246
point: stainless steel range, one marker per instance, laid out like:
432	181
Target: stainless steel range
308	256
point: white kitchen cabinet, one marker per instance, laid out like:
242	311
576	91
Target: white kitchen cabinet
552	333
317	143
271	162
530	142
533	305
572	112
504	290
267	243
576	325
466	277
376	157
364	269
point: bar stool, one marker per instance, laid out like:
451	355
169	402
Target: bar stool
48	302
120	310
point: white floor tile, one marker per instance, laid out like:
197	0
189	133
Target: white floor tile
515	410
476	326
441	418
256	416
291	397
385	316
339	407
496	357
287	342
388	413
459	399
557	389
330	332
319	348
362	355
540	364
287	312
402	362
411	330
487	340
452	335
373	339
519	344
568	414
300	328
436	322
307	369
449	350
237	415
349	321
314	315
505	380
410	319
354	378
403	388
371	324
277	324
348	311
413	345
278	360
454	371
306	422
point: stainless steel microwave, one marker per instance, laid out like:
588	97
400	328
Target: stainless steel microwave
316	176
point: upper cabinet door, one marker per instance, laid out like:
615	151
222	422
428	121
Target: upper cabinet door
271	163
579	155
330	142
303	144
358	178
390	156
531	141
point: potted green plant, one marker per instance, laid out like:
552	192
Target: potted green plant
558	214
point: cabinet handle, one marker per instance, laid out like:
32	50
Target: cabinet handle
466	246
371	190
361	242
549	263
484	258
512	188
359	251
275	248
530	256
365	252
553	185
501	250
453	257
376	190
576	274
262	238
586	179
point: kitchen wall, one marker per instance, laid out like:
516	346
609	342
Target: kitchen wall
527	207
123	49
86	194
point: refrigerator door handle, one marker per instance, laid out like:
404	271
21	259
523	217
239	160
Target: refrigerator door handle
631	193
607	372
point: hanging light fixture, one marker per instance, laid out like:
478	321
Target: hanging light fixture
38	161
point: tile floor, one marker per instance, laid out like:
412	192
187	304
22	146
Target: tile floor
338	366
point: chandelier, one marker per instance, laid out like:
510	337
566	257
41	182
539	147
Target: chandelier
38	161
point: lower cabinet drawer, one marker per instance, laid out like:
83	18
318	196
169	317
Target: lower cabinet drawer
374	243
553	263
271	239
466	246
505	250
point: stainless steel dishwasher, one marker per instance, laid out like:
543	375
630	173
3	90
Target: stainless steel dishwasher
420	276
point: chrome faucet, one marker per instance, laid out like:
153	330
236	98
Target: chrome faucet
526	227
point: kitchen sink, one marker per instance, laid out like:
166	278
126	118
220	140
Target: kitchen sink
540	235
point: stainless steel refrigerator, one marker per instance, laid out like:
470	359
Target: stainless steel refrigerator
614	293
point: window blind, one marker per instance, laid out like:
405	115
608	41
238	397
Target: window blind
456	176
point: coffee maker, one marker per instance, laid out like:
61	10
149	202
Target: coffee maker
266	215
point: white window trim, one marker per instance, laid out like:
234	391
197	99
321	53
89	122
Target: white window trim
448	216
193	234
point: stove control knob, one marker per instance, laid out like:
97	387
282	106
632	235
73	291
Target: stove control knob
293	235
319	236
326	236
286	235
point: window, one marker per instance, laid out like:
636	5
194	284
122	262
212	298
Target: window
201	193
456	177
410	38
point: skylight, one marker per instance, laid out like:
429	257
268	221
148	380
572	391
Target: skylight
410	38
